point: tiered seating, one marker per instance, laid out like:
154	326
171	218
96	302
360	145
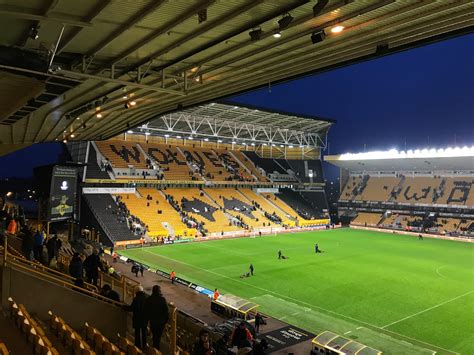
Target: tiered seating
29	326
93	170
449	224
282	205
100	344
69	337
300	205
366	218
103	207
227	158
457	191
348	192
127	346
171	161
249	165
418	190
378	188
215	220
147	211
237	205
209	159
269	165
121	154
267	206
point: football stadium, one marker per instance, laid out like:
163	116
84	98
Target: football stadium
177	219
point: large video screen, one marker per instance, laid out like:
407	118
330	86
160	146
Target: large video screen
63	193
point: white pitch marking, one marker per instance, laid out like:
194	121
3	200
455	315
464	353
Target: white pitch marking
359	328
437	270
293	299
428	309
350	331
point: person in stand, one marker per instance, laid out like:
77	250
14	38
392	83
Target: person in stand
27	244
92	265
216	294
142	268
258	322
204	344
38	245
251	269
75	266
241	336
172	276
156	309
109	293
420	236
114	257
53	245
139	320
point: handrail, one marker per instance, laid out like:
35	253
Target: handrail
49	270
65	284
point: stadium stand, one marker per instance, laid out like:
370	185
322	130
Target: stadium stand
435	198
122	154
298	203
171	161
367	218
107	213
94	171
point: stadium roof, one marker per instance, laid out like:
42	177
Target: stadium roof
236	123
131	61
424	160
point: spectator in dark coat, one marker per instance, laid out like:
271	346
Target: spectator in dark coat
38	245
53	245
109	293
139	320
92	265
240	336
204	344
75	266
27	244
156	309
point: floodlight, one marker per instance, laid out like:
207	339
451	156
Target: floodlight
256	34
318	36
285	21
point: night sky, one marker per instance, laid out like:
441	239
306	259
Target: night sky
421	98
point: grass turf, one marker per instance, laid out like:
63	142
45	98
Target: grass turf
391	292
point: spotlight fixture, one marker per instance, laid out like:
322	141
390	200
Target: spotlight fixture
125	96
320	5
179	137
78	118
277	34
133	103
206	139
317	37
337	29
190	138
202	15
130	104
219	141
130	132
285	21
99	115
33	34
72	135
256	34
64	141
167	135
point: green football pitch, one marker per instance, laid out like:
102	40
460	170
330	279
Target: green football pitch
392	292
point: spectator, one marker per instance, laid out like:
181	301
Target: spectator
27	244
38	245
156	309
204	344
75	266
142	268
109	293
53	245
92	265
240	336
135	269
139	320
258	322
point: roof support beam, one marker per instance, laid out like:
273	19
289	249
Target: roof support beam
160	31
73	74
95	12
132	21
50	18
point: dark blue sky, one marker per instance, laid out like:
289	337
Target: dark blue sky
423	97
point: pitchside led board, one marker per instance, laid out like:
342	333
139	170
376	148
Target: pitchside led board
63	193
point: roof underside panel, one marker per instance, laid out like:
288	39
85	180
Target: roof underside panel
160	56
